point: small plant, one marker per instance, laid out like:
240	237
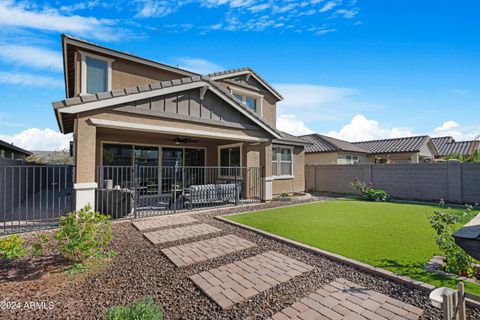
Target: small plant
368	192
284	195
84	234
457	261
76	268
145	309
37	247
12	247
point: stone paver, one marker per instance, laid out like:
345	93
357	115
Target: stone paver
195	252
240	280
342	299
174	234
162	222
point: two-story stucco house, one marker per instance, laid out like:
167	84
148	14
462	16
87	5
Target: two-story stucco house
124	110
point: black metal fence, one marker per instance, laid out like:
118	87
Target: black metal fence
140	191
34	197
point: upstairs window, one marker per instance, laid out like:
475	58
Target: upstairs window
250	102
96	74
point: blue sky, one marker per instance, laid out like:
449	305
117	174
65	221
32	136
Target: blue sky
351	69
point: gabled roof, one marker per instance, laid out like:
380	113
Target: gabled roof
407	144
321	143
11	146
242	71
447	146
65	109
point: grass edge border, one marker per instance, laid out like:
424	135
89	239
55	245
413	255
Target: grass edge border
416	284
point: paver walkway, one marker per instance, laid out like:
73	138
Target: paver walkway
191	253
240	280
162	222
174	234
342	299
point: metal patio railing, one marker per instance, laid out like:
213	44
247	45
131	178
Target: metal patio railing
34	196
140	191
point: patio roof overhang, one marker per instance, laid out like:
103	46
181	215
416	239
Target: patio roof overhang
102	123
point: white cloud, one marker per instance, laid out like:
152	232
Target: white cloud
290	124
19	15
309	96
347	14
197	65
458	132
329	6
360	129
159	8
29	80
38	139
31	56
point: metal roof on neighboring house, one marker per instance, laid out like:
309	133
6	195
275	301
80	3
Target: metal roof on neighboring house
321	143
407	144
447	146
13	147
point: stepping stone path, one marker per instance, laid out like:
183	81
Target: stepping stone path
174	234
240	280
162	222
195	252
342	299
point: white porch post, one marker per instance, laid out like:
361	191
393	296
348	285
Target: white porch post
85	194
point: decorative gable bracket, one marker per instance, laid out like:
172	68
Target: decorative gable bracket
203	90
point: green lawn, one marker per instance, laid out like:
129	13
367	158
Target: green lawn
394	236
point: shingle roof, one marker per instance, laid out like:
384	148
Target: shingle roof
14	148
321	143
231	71
447	146
286	137
407	144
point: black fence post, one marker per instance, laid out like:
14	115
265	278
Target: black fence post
236	186
174	191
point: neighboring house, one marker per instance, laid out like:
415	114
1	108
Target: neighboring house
328	150
447	146
10	151
61	157
124	110
400	150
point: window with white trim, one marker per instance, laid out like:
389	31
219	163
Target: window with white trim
250	102
351	159
96	73
282	162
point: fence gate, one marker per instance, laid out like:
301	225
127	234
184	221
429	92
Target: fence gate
142	191
34	196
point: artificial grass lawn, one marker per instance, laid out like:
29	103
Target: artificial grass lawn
393	236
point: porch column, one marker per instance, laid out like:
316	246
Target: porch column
266	164
85	156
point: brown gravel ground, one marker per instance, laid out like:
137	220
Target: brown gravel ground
140	269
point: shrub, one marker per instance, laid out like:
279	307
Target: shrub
457	261
12	247
84	234
145	309
37	247
284	195
369	193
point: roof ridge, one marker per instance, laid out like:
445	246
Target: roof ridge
386	139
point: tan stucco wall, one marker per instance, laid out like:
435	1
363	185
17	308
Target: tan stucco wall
321	158
297	183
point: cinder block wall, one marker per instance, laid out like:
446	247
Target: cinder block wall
452	181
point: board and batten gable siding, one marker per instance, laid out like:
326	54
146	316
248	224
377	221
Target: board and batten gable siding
186	105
